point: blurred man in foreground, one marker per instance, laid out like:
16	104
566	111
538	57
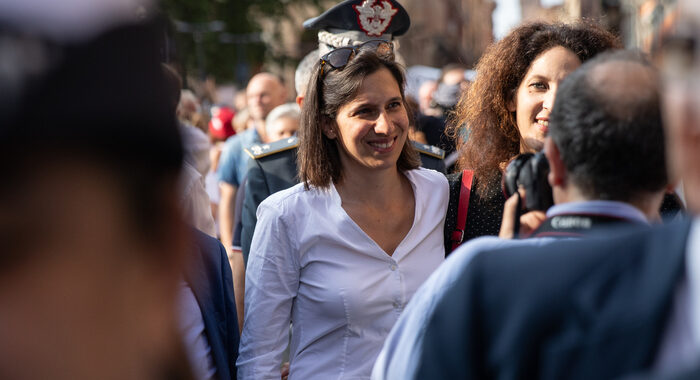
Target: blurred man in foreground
598	308
93	243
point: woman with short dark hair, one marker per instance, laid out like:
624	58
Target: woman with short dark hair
506	110
340	254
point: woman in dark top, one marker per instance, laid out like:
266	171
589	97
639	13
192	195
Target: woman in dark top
506	112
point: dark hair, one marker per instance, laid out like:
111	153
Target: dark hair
124	123
607	125
318	156
494	137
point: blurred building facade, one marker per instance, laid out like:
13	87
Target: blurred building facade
638	22
446	31
646	21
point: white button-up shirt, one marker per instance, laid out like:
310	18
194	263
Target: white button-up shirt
311	264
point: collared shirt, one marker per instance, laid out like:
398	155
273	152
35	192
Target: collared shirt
401	350
680	345
233	164
609	208
311	264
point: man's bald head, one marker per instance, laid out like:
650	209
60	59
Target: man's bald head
606	123
624	85
265	91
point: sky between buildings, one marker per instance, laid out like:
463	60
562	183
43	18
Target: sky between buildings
508	14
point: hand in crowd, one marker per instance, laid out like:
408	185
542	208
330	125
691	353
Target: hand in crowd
528	221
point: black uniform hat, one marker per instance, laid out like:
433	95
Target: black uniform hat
355	21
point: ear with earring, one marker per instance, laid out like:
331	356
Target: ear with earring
329	131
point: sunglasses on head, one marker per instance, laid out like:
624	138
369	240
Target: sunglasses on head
339	58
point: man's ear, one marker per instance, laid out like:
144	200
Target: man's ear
557	170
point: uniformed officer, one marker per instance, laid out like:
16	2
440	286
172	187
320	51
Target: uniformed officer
273	167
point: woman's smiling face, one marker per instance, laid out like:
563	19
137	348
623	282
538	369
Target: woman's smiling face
534	98
372	128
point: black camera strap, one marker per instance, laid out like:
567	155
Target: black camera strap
577	225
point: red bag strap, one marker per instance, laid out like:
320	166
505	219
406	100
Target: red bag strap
462	208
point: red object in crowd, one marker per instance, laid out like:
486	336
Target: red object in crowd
221	123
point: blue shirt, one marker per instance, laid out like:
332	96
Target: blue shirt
233	163
401	352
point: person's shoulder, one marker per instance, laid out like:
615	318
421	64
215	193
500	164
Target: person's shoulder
486	244
560	257
263	152
433	177
292	196
206	242
239	139
429	150
193	135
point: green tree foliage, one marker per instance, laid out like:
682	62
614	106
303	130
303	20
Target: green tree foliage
236	50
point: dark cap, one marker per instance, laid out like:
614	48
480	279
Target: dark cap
374	18
107	93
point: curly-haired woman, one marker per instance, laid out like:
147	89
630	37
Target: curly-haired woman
506	112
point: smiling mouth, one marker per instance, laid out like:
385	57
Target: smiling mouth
543	125
382	146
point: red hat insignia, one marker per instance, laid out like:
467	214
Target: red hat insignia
374	18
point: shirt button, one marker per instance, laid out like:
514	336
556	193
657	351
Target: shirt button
393	267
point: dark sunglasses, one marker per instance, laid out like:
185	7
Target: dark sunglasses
338	58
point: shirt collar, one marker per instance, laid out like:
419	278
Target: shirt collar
610	208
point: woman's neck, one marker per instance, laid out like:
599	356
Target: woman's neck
370	186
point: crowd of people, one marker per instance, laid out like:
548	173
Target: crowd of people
535	219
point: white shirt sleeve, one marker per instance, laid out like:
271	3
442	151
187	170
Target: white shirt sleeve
272	282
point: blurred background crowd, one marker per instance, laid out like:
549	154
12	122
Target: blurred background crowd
216	47
220	45
198	104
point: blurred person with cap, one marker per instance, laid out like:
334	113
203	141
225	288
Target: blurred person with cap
100	294
94	246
